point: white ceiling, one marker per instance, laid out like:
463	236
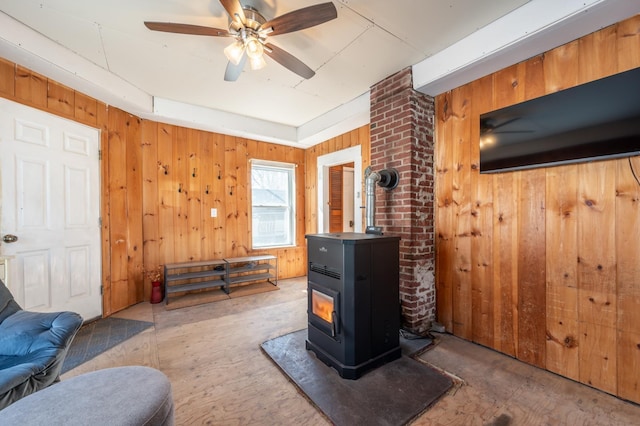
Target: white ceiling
103	49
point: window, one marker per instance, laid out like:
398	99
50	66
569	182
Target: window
272	204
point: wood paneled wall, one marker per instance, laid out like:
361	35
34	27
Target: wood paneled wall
544	264
186	173
359	136
159	183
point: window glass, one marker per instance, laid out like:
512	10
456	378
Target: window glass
272	204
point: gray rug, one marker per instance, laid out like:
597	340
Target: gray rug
393	394
99	336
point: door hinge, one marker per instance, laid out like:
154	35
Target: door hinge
101	290
100	222
99	154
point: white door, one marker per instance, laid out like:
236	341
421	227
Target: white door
49	200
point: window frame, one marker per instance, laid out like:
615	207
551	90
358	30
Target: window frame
290	168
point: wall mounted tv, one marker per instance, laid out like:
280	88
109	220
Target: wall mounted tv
592	121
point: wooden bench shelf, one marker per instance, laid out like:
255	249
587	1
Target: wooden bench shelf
219	273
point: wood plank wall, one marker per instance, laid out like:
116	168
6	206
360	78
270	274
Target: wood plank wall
159	183
544	264
188	172
359	136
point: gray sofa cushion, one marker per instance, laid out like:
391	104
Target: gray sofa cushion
120	396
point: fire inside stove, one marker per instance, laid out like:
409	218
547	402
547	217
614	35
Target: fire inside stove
322	306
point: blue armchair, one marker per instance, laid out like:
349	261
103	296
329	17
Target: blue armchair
33	346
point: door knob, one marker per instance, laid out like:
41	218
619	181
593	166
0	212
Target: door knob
10	238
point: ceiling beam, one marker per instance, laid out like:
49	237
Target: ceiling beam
534	28
26	47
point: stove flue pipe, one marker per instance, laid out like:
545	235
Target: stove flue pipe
370	180
387	179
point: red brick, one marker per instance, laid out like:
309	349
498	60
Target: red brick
402	138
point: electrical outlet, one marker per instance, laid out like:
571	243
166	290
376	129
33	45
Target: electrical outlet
214	212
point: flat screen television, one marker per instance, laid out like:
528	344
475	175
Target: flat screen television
592	121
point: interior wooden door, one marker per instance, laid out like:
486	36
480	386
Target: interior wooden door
335	199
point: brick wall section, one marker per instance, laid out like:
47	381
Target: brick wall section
402	128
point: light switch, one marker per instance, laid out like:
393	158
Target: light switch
214	212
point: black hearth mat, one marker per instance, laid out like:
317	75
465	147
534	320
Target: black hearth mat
393	394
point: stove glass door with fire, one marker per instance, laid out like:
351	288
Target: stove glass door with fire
324	308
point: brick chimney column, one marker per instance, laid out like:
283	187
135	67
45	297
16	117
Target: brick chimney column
402	128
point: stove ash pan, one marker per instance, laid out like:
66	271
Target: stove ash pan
353	301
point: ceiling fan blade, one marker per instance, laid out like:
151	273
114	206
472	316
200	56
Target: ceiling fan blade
302	18
170	27
288	61
504	123
234	9
233	71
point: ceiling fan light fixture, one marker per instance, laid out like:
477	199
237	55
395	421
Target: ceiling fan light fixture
234	52
257	63
254	48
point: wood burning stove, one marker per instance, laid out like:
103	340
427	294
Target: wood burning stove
353	300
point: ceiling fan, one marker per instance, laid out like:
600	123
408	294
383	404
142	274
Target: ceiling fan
487	126
489	129
251	30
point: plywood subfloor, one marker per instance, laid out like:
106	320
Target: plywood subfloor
495	389
211	353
